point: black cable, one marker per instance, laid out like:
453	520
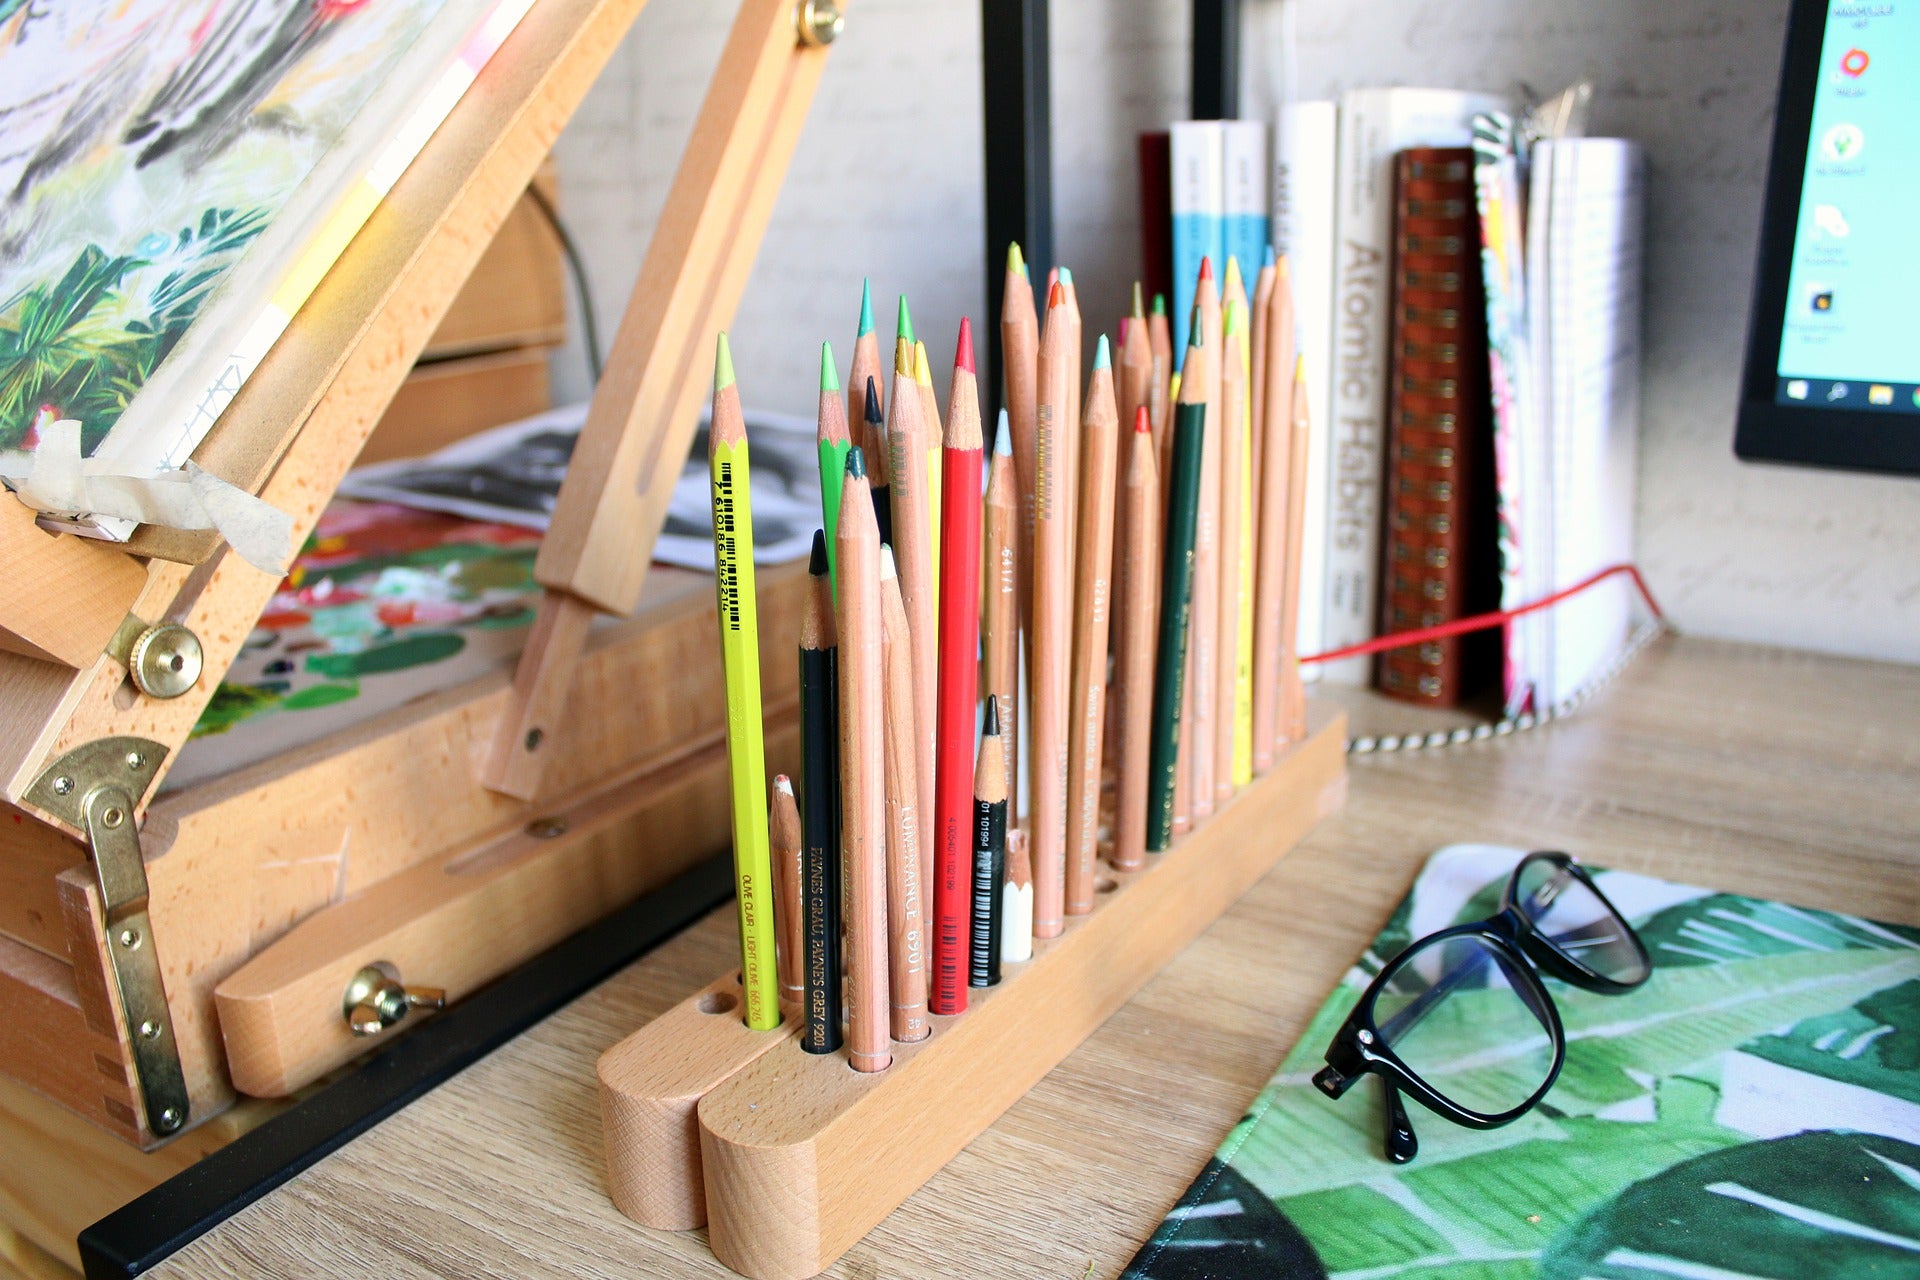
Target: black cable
591	331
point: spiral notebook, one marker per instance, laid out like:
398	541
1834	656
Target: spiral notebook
1753	1111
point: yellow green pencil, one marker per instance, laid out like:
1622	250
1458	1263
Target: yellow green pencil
740	656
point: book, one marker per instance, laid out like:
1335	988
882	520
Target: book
1375	125
1750	1111
1303	223
1246	179
1441	560
159	243
1199	202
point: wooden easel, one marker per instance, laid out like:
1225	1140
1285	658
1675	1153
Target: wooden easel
110	973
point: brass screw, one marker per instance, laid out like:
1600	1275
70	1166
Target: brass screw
63	786
819	22
169	1119
150	1030
166	660
130	939
136	761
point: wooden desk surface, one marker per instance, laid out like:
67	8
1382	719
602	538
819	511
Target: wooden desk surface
1754	770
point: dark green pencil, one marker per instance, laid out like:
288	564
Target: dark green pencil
1176	592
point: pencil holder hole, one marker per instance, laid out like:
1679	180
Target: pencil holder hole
718	1002
1105	885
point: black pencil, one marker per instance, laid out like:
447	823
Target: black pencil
876	434
1176	593
989	850
820	810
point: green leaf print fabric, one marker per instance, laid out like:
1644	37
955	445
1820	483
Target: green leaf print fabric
1753	1112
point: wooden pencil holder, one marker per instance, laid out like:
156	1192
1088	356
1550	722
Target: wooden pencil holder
650	1085
801	1155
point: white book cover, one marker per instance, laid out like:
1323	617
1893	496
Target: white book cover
1248	175
1199	199
1591	198
1375	125
1303	207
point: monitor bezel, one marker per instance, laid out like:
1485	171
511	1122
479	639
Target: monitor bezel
1766	430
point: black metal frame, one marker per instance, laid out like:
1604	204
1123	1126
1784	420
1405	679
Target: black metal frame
141	1234
1523	952
1017	115
1216	59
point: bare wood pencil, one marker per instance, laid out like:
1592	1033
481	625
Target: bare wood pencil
783	831
1070	438
1000	609
1257	373
863	803
1196	733
913	553
1232	419
1292	693
1019	362
1092	615
1136	598
1274	490
906	906
1051	631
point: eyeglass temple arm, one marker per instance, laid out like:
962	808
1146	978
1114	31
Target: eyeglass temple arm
1401	1143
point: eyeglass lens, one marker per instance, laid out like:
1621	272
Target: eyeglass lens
1459	1016
1576	921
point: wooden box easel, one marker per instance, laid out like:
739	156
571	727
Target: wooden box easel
157	956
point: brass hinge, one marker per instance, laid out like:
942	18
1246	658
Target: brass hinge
96	788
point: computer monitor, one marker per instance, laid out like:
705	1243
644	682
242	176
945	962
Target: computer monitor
1833	347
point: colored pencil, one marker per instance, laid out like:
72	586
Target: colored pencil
834	442
1019	360
1133	665
740	657
989	851
1203	630
933	434
783	834
820	812
1092	613
1292	693
959	650
1016	897
1134	389
913	554
874	445
1257	364
1000	607
863	804
1176	590
1070	438
906	905
1232	419
1160	342
866	364
1274	489
1051	631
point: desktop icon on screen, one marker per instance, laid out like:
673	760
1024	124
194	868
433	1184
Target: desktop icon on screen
1838	391
1828	218
1820	299
1797	389
1879	393
1843	142
1854	62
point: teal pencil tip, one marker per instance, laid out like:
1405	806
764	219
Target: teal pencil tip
856	463
1159	304
829	376
866	307
722	365
1101	359
1002	441
1066	275
903	328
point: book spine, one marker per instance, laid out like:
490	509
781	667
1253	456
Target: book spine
1303	228
1199	212
1248	177
1438	563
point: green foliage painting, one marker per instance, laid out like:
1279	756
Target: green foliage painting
1752	1112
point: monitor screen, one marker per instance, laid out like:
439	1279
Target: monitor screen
1833	360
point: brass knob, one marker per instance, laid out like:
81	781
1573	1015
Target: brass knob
819	22
166	660
376	999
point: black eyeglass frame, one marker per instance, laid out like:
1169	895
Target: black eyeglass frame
1524	953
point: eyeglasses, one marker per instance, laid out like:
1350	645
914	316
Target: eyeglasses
1461	1021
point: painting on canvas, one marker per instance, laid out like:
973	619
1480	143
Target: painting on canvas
146	147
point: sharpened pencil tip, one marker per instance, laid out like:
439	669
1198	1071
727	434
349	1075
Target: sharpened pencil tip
886	562
1102	359
1230	320
829	376
1194	328
1142	421
1002	444
1066	276
873	402
1206	267
963	352
1159	304
1139	302
903	358
856	463
1056	296
991	727
783	784
722	365
866	307
817	560
1014	261
903	324
1232	275
922	371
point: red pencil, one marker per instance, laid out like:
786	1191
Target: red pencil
959	671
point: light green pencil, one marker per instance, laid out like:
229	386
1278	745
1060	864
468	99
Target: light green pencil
740	658
834	443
